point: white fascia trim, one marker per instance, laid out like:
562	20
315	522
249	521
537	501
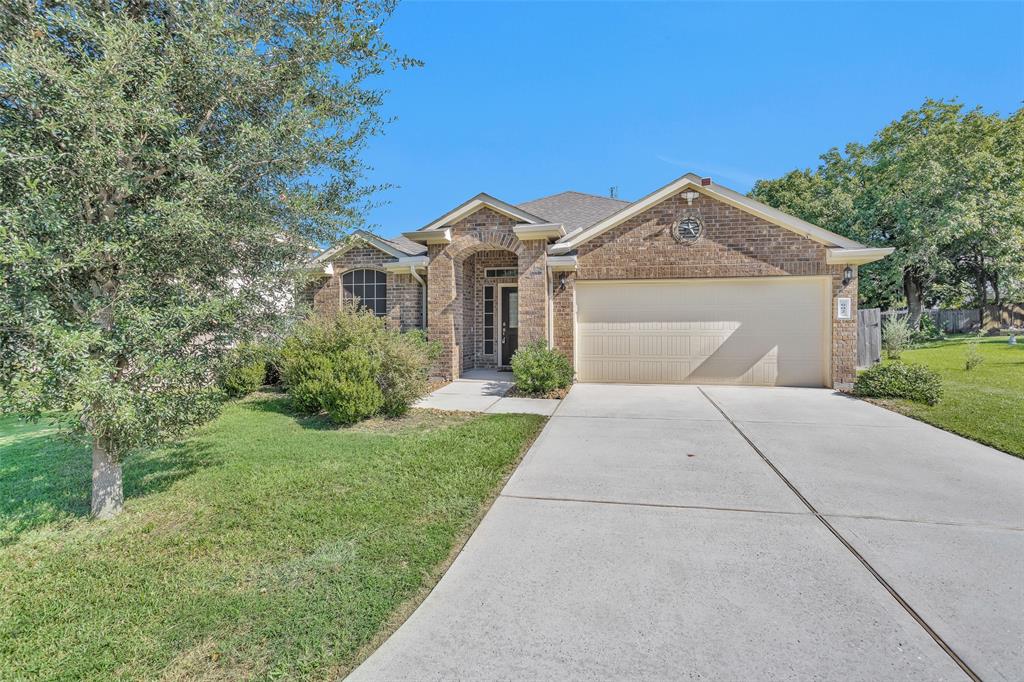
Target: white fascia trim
562	263
439	236
355	238
407	264
482	199
724	194
539	231
856	256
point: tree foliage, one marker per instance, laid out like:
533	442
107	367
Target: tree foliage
164	168
943	186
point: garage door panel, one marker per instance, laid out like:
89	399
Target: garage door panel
758	331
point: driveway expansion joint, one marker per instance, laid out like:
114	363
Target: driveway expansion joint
637	418
652	505
846	543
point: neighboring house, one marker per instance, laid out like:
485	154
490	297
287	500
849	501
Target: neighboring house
694	283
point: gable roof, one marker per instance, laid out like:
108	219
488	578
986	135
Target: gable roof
693	182
398	247
480	200
575	210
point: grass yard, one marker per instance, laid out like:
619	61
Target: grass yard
985	404
266	546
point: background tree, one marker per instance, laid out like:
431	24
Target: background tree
987	251
941	186
164	167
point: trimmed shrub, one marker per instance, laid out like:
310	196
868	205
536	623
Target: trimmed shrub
896	336
900	380
405	362
245	370
352	393
353	366
539	369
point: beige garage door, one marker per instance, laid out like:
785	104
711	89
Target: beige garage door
755	331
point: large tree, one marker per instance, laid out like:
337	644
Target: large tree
944	187
164	167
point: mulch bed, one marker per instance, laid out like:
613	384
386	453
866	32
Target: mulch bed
556	394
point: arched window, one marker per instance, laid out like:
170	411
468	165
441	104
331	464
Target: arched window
368	287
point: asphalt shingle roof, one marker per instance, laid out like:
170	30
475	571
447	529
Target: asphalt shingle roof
406	245
575	210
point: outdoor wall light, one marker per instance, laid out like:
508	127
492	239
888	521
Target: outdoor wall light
561	282
847	275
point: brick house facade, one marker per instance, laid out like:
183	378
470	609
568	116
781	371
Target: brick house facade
543	252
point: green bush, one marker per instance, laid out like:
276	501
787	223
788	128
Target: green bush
896	336
353	366
352	393
900	380
929	330
539	369
244	370
405	362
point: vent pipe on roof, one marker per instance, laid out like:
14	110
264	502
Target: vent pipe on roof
613	192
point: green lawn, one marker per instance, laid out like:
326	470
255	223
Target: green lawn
985	404
266	546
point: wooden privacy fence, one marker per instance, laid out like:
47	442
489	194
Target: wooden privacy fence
1009	316
869	337
949	321
967	321
997	317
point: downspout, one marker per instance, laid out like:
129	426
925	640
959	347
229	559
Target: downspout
423	296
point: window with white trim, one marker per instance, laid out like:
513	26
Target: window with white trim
501	272
369	288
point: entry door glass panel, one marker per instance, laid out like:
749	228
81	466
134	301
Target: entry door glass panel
509	323
513	310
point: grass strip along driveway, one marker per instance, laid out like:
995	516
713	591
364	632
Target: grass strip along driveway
984	404
267	545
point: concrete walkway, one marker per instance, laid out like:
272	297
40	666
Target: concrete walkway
677	532
483	390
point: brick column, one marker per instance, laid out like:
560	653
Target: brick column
533	291
844	332
442	309
563	305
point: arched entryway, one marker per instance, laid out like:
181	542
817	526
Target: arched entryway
489	296
486	292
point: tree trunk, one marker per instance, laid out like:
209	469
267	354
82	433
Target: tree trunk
107	486
912	290
982	290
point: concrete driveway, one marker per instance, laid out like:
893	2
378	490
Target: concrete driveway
728	533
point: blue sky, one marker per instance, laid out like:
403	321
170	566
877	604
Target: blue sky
525	99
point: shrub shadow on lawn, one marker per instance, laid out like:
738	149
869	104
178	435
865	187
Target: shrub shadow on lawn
45	478
421	420
278	403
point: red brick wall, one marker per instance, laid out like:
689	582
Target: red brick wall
454	288
404	293
563	311
734	243
476	268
